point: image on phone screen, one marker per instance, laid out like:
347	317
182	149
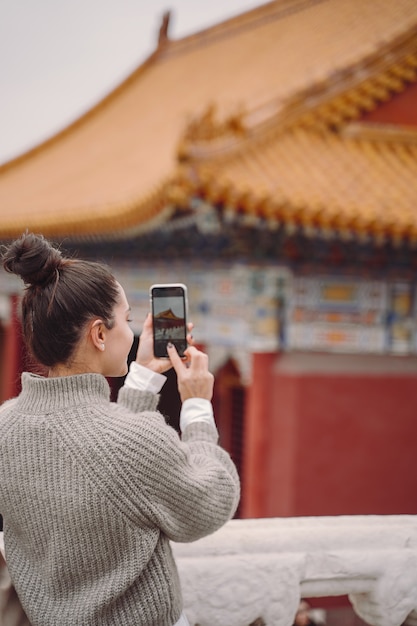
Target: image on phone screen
169	318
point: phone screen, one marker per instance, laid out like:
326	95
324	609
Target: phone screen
169	306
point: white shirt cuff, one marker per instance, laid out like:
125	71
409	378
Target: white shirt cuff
196	410
144	379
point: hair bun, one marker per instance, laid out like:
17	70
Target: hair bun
33	259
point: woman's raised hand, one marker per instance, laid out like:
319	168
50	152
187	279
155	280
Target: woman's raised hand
194	378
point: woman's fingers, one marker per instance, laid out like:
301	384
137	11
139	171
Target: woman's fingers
174	357
194	378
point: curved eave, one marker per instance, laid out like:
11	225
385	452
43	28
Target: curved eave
321	183
297	214
117	221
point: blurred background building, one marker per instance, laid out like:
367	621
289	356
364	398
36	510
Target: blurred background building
269	162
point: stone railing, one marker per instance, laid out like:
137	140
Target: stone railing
255	571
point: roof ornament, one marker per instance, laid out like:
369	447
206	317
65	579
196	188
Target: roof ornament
210	129
163	29
209	125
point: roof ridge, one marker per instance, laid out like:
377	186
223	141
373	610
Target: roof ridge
361	87
249	20
374	131
208	137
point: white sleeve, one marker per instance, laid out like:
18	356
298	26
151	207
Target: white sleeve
192	410
144	379
196	410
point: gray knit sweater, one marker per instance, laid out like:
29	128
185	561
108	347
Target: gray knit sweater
91	492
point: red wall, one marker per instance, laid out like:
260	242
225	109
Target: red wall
323	443
400	109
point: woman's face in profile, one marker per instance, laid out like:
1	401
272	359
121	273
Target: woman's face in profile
119	339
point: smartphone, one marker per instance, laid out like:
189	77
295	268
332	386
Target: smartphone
169	306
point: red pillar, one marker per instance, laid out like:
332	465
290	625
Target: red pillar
283	446
13	353
256	436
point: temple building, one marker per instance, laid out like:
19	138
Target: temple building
270	163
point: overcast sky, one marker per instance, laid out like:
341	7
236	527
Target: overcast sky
59	57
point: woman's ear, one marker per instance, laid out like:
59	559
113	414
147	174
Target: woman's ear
98	334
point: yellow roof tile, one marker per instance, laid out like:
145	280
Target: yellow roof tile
368	185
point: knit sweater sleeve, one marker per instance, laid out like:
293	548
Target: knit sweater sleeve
191	486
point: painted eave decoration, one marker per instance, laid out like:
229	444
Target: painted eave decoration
268	115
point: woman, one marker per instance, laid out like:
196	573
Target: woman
91	492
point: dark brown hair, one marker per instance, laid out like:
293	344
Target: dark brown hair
61	296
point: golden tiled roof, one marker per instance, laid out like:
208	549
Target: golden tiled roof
356	182
261	113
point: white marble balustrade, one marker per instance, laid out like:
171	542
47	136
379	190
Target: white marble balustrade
261	568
